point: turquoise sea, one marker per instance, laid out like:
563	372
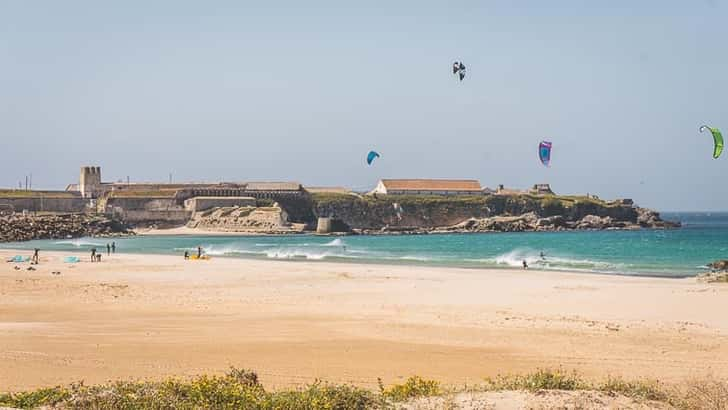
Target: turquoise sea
672	253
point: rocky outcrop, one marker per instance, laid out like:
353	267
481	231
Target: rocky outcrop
244	219
718	272
531	222
719	266
15	228
521	223
648	218
494	213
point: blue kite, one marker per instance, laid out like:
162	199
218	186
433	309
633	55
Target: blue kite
371	156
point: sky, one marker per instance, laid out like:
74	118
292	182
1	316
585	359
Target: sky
290	90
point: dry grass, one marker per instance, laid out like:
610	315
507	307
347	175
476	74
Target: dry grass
240	389
703	394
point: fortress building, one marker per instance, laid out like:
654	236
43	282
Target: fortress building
90	186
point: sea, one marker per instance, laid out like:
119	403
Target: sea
677	253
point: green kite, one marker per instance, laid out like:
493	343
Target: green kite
717	139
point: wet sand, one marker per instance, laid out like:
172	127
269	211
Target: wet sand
149	316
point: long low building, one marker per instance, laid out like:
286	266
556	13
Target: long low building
428	187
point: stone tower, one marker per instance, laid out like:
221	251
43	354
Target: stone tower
90	182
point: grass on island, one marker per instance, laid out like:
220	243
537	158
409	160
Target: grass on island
240	389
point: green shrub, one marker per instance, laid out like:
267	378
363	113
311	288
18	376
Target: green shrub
33	399
543	379
238	389
325	397
241	389
413	387
648	390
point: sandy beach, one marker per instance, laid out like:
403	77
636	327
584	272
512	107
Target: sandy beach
149	316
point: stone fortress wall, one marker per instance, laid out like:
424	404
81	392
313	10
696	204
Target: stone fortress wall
40	203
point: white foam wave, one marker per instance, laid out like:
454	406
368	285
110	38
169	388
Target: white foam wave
338	242
226	250
516	257
418	258
295	253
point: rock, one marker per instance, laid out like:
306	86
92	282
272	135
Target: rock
552	222
249	219
594	222
15	228
719	266
648	218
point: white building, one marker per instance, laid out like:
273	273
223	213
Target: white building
428	187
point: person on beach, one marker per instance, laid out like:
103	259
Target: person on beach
108	249
187	255
36	258
113	247
93	254
199	252
525	265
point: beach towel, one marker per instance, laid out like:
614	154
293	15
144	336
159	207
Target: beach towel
202	258
71	259
19	259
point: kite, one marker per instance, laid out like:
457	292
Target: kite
458	68
544	152
717	140
371	156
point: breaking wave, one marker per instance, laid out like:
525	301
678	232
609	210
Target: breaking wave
515	258
338	242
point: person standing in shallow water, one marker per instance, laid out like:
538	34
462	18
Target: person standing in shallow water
108	249
525	265
113	247
199	252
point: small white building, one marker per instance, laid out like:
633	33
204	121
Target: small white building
428	187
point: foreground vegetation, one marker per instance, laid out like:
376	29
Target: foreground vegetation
240	389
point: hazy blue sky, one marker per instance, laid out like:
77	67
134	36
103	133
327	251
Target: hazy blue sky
280	90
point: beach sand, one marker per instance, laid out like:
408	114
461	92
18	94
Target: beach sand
150	316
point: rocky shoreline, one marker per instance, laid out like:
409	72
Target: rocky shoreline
718	272
531	222
18	228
